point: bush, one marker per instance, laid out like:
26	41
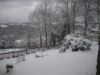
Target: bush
76	43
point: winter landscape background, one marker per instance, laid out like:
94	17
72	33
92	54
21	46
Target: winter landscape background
49	37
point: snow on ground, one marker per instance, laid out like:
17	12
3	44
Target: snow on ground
52	62
10	50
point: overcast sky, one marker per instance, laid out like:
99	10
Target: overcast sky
16	10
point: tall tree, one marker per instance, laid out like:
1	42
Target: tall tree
66	13
28	37
87	7
74	8
42	15
45	7
36	19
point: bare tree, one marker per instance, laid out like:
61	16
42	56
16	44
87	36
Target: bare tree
47	17
36	19
44	12
74	8
28	37
39	27
87	7
65	11
41	16
63	17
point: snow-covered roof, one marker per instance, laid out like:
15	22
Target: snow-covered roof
3	26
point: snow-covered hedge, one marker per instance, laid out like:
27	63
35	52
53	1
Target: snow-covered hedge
76	43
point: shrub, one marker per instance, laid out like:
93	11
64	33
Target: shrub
76	43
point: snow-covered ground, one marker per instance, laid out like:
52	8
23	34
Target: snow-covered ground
10	50
52	62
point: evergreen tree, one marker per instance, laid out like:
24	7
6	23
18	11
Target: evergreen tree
65	31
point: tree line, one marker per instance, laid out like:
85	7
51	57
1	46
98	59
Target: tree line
57	18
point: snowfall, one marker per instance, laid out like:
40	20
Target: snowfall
51	62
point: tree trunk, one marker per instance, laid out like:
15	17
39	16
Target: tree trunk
98	57
86	25
74	15
73	22
46	38
28	44
69	28
28	39
40	39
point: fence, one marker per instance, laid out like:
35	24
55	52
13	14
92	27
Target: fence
22	52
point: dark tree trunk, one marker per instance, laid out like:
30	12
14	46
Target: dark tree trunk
40	40
98	57
68	28
40	36
73	22
53	40
74	15
29	44
46	38
86	24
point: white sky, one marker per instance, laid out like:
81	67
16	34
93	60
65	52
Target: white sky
16	10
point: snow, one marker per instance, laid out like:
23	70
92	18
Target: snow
75	43
75	37
52	62
3	26
10	50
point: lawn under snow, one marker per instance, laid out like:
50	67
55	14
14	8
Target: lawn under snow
54	63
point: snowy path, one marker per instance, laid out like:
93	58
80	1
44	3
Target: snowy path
54	63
